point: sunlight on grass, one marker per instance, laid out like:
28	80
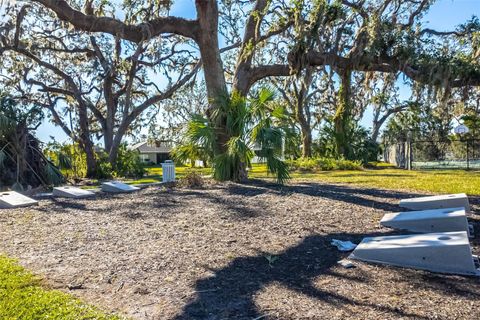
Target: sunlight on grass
386	177
22	297
154	174
441	181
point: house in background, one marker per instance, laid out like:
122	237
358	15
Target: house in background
154	152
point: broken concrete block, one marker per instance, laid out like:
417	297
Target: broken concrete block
12	199
436	220
117	187
437	202
444	252
347	264
71	192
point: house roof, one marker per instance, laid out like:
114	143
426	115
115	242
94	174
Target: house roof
144	147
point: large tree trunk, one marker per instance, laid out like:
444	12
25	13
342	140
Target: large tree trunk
303	114
242	78
379	121
108	137
207	39
87	146
376	125
305	128
343	115
86	141
306	142
376	129
117	140
113	152
108	133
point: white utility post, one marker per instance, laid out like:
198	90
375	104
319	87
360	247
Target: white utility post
168	171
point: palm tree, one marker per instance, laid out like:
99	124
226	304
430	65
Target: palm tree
249	123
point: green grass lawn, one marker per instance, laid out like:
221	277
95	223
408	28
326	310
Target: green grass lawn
154	174
22	297
435	181
385	176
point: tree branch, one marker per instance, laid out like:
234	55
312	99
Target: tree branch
134	33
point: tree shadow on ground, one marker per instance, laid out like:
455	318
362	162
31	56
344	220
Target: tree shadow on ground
368	174
237	207
367	197
230	292
63	205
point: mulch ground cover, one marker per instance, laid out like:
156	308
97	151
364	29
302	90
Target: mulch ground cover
230	251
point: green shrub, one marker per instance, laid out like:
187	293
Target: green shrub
326	164
355	141
104	170
323	164
343	164
129	164
69	158
303	164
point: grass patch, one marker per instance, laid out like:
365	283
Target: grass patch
381	176
154	174
436	181
322	164
22	297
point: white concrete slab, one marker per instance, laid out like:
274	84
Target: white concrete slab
437	202
12	199
71	192
444	252
117	187
436	220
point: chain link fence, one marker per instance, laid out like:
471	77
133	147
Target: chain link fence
456	154
428	154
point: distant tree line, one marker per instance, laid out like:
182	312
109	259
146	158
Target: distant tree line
325	63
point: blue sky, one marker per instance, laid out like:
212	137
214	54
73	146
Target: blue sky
443	15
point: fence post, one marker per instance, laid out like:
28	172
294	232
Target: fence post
408	150
468	157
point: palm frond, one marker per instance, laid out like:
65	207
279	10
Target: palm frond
222	106
189	151
224	167
269	138
237	115
200	131
238	148
280	112
6	124
53	175
64	161
3	158
259	105
279	168
265	95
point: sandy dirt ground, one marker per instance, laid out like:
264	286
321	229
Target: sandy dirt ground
230	251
